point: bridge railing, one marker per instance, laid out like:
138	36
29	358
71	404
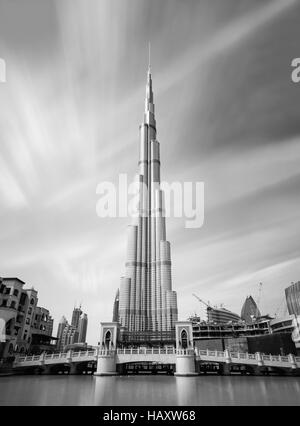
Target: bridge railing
226	355
145	351
150	351
251	356
244	356
55	356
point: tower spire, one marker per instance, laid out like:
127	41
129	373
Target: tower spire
149	56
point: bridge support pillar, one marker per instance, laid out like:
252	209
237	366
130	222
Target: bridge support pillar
73	368
258	370
185	364
46	369
43	369
225	369
292	361
259	359
106	364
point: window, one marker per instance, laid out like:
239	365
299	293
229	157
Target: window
7	290
29	311
27	320
16	293
184	339
23	298
7	328
13	305
32	301
107	338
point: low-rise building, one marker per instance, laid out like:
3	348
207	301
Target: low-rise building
19	315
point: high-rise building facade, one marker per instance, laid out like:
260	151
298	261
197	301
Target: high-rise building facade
292	294
115	316
250	311
83	322
70	334
61	326
147	301
76	317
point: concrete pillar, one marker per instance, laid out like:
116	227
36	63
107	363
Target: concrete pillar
225	369
227	356
69	356
73	368
259	359
292	361
46	369
185	363
257	370
106	365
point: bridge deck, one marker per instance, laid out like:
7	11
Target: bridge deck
164	356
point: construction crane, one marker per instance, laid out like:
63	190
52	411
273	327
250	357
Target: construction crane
259	295
281	308
202	301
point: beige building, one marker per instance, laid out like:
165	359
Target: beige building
19	317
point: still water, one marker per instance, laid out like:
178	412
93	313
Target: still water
141	390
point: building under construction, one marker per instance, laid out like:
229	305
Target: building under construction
221	316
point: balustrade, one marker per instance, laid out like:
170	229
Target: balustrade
159	352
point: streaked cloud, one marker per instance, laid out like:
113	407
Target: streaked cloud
226	115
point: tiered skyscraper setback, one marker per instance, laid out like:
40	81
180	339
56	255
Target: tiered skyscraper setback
147	301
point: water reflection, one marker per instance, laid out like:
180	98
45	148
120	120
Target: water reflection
151	390
135	390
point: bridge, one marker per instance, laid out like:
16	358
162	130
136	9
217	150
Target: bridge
187	361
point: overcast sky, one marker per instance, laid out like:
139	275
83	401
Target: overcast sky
227	114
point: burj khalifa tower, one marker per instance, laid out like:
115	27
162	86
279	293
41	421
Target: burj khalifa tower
147	302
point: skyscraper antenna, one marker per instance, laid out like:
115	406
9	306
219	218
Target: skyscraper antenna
149	57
